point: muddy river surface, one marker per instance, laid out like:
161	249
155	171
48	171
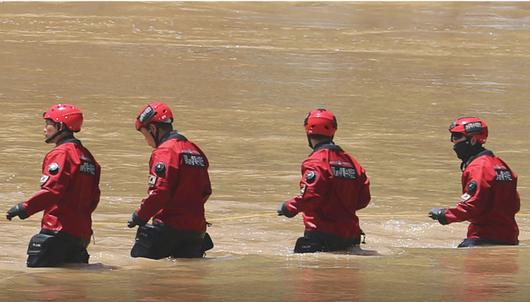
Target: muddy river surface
240	78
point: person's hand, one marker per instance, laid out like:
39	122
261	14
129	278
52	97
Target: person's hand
17	210
135	220
438	214
282	211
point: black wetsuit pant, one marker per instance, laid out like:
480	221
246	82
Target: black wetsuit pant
470	242
322	242
49	249
158	241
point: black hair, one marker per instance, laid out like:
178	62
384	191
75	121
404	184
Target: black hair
320	137
164	126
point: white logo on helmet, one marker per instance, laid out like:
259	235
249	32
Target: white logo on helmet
146	115
473	127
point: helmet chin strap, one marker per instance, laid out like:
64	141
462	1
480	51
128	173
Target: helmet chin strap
155	135
309	142
60	130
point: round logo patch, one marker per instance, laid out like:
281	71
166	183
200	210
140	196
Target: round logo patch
160	169
310	176
471	187
53	168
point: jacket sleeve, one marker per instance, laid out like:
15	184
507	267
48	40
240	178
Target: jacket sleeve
364	196
208	189
313	189
159	191
97	192
55	178
475	198
517	203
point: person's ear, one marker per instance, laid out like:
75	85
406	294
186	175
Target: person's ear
152	128
473	140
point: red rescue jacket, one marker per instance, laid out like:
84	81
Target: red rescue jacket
490	199
69	190
179	185
333	187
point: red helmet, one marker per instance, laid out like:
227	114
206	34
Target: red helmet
154	112
67	114
470	127
320	122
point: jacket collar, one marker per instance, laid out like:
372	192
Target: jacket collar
172	135
69	139
326	145
486	152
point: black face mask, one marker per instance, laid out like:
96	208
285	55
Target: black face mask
465	150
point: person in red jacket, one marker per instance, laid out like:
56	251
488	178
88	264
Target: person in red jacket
489	198
332	188
179	186
69	193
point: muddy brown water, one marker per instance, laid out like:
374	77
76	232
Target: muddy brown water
240	78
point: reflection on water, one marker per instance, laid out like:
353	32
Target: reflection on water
240	78
487	273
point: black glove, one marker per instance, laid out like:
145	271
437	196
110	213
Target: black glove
17	210
135	220
438	214
282	211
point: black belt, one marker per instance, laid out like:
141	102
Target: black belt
67	237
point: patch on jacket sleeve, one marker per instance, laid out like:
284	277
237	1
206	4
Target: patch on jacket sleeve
303	187
151	180
471	188
53	168
465	197
160	169
310	176
44	179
